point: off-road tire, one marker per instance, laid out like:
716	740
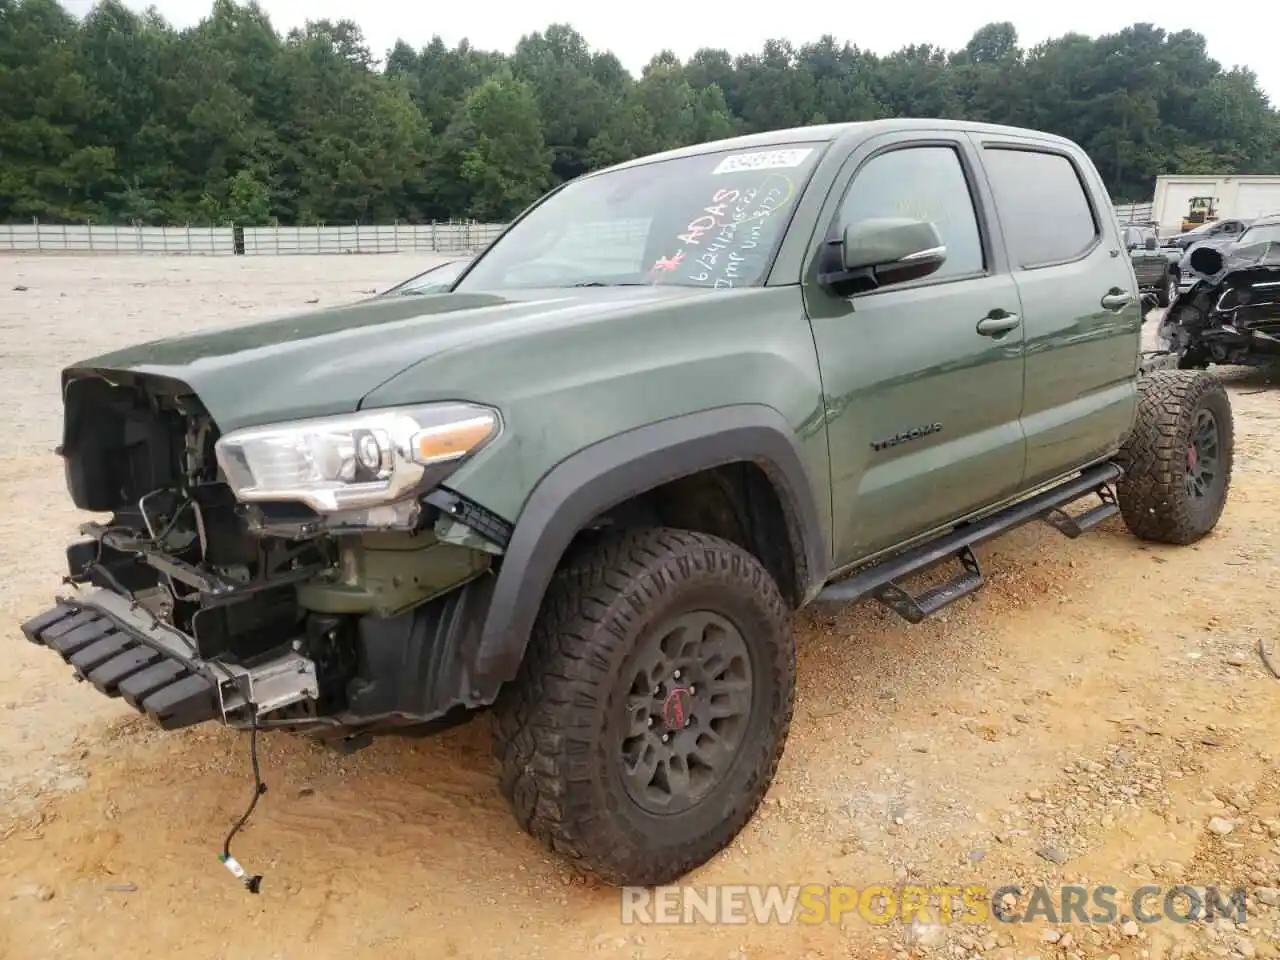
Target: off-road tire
1168	289
559	725
1153	496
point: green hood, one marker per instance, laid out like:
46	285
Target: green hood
327	361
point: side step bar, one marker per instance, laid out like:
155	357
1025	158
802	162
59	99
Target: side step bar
1072	527
880	581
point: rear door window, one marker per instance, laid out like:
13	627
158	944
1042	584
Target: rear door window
1043	206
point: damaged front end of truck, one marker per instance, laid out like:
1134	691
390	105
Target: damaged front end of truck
1231	314
313	575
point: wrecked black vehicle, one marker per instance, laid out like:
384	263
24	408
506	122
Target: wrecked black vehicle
1231	313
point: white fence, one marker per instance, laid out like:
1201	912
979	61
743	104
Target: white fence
268	241
390	238
57	238
1135	212
281	241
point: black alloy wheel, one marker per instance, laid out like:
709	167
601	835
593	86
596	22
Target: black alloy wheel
688	707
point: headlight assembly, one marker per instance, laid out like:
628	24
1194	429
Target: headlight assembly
354	462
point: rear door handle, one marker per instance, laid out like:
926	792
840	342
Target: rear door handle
997	323
1117	300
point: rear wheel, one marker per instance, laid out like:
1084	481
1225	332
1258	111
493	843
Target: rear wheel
1178	459
1169	290
652	706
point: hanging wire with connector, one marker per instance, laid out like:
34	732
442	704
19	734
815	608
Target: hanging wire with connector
251	883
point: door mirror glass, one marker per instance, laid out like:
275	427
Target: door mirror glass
892	249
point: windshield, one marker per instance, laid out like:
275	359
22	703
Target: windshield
432	280
708	220
1264	233
1190	236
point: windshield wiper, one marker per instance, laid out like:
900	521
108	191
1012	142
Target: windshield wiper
611	283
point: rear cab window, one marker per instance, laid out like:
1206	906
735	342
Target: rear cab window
1137	236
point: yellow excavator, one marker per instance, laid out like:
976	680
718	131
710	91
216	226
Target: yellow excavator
1200	210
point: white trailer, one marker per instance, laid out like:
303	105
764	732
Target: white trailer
1244	197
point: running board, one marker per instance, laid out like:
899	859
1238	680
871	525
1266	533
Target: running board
1074	526
879	582
913	608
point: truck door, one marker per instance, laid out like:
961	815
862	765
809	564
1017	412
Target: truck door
1081	312
1149	266
922	380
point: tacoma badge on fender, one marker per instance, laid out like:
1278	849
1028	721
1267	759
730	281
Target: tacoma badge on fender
915	433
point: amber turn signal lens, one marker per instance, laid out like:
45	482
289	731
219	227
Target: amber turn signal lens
451	440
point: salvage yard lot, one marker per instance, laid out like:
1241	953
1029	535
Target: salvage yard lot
1079	722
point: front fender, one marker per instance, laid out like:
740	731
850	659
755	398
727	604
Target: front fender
609	472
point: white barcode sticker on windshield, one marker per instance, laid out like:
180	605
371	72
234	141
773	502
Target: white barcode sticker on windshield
762	160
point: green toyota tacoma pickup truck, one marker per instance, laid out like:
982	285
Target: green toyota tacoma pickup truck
586	487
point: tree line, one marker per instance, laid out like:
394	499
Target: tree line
120	118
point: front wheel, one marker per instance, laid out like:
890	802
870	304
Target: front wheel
652	707
1178	459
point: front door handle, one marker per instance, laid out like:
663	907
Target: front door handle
1117	300
997	323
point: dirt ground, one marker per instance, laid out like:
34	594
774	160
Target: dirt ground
1083	720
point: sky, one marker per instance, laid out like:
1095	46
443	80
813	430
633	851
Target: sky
635	32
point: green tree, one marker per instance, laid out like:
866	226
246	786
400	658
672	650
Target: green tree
120	117
494	152
356	141
47	170
573	103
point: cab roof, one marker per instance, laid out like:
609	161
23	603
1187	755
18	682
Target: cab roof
834	132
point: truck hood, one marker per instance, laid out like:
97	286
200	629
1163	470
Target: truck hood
1184	261
1215	264
327	361
1185	240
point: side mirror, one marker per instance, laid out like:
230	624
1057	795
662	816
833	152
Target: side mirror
1151	243
885	250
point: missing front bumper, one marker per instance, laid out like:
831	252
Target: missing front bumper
124	652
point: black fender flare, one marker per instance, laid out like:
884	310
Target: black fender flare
607	473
